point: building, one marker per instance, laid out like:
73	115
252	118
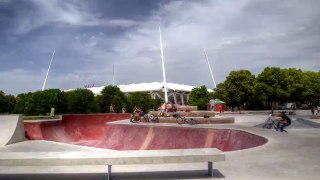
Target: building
177	93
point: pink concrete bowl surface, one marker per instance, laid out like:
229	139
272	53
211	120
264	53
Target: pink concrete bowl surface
94	131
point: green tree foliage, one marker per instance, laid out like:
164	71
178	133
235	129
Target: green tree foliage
239	87
7	103
220	92
21	101
270	86
2	102
80	101
39	102
10	103
112	95
199	97
156	103
311	91
141	100
293	84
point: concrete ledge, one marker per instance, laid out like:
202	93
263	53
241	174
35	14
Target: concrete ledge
201	120
191	108
188	114
113	158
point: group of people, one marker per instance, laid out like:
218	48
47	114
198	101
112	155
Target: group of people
111	109
170	107
137	113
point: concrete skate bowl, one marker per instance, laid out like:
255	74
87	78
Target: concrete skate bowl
94	131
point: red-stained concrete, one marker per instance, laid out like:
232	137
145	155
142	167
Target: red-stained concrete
93	130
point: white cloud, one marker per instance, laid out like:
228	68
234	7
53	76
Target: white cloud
243	34
234	37
54	12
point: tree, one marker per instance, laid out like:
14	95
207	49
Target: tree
311	90
112	95
239	87
294	84
10	102
156	103
220	92
199	97
270	86
141	100
80	101
2	102
39	102
21	101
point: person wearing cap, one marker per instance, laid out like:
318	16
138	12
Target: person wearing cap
284	122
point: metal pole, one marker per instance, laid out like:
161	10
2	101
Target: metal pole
210	172
163	70
45	80
205	54
109	172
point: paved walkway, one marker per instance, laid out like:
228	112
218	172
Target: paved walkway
292	155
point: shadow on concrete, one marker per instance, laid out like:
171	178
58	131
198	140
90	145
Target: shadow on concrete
299	123
195	174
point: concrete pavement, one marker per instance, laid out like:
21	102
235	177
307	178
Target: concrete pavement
292	155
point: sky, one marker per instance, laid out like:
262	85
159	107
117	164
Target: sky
89	37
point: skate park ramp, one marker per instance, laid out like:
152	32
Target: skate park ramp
11	129
95	131
298	123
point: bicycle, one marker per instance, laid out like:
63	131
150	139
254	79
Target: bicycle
150	118
183	120
271	123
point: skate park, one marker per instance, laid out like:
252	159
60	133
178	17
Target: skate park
53	149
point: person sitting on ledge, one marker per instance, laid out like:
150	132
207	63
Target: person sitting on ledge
135	117
174	107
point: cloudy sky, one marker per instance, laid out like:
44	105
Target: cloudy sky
90	36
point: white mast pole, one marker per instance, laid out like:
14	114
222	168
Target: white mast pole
45	80
205	54
163	70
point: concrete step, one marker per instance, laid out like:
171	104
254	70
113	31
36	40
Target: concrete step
201	120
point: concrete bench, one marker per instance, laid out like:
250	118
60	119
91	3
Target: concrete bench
208	155
75	158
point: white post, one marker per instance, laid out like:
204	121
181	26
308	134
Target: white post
175	97
45	79
163	70
181	97
205	54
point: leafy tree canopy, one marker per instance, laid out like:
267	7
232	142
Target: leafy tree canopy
141	100
199	97
239	87
112	95
271	86
80	101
